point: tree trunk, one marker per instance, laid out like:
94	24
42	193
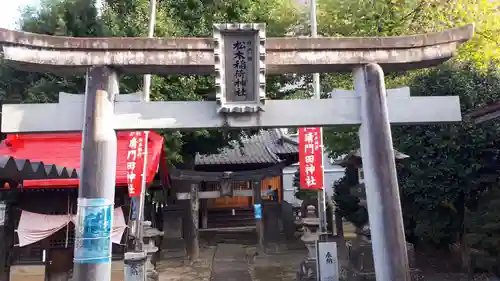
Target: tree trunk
463	249
331	215
339	225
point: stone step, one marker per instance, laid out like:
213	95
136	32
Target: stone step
235	223
236	235
230	212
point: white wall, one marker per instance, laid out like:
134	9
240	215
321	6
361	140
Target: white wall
332	173
288	188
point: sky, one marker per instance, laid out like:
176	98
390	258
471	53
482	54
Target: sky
10	11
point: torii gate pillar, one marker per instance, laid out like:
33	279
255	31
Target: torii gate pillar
381	182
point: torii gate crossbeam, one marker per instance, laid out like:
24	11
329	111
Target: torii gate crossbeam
130	115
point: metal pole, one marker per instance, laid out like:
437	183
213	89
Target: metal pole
142	197
317	95
96	194
151	31
379	167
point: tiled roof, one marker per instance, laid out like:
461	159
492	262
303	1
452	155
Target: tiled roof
262	148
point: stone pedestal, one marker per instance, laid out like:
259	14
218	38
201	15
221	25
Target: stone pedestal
173	244
271	216
151	273
134	266
360	256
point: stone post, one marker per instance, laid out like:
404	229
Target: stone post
4	245
173	244
204	213
194	242
272	228
135	266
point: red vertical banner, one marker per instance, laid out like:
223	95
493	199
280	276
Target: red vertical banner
310	158
135	162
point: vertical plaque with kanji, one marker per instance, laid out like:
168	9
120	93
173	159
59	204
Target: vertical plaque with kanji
310	158
239	52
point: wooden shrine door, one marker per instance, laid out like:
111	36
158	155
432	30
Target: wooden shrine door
230	202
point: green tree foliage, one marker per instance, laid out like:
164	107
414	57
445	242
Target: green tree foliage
341	18
447	170
130	18
348	205
483	229
301	193
196	18
402	17
450	165
69	18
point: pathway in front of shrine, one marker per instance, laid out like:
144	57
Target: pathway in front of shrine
228	262
237	262
233	262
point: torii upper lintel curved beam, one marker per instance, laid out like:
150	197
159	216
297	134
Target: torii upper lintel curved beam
37	52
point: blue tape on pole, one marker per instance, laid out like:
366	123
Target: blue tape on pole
257	211
93	231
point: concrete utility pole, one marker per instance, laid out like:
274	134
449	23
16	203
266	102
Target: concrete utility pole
382	192
135	269
317	95
151	31
96	194
145	98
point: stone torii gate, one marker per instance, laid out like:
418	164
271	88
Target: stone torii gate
226	179
240	56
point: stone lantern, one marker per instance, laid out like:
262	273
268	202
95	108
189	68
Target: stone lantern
310	237
150	235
